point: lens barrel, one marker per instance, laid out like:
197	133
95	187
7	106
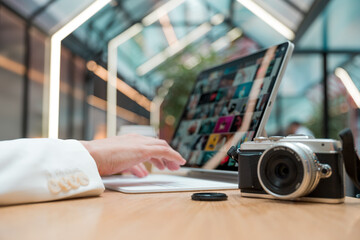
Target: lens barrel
288	170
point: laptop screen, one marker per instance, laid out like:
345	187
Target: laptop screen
229	104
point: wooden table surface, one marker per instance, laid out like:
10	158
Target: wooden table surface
175	216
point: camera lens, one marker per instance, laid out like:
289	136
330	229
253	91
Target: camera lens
282	171
288	170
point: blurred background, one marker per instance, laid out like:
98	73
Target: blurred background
156	48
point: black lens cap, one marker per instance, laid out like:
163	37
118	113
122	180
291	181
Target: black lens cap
209	196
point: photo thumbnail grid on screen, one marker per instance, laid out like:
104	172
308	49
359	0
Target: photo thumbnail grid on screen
217	106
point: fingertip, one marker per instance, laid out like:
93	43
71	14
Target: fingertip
175	168
144	171
158	163
161	167
139	174
172	166
181	161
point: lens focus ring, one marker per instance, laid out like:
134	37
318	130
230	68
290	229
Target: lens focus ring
288	170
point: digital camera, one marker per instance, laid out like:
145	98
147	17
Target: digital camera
295	168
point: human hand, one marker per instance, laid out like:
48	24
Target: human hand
128	152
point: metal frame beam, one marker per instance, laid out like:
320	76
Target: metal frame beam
95	18
101	32
41	9
325	80
294	6
317	7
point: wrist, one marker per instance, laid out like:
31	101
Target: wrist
89	147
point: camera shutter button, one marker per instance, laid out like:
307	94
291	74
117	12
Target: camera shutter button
276	138
260	139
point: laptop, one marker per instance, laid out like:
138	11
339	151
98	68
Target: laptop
229	104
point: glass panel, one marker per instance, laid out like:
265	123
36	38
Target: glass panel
300	96
10	104
116	30
97	123
220	6
96	111
348	103
12	37
339	106
25	7
336	60
36	76
181	31
179	21
84	34
303	4
344	32
196	12
126	69
255	28
65	92
78	99
219	31
102	27
106	15
133	51
152	42
59	13
314	36
282	11
137	9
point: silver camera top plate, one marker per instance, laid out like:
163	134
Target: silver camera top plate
317	145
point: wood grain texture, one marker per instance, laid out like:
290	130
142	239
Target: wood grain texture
175	216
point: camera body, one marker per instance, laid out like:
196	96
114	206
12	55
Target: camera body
291	168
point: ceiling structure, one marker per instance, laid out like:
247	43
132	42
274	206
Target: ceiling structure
136	56
325	33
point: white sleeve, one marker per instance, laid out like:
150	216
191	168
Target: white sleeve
37	170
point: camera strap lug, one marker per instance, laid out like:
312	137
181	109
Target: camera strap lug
232	152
